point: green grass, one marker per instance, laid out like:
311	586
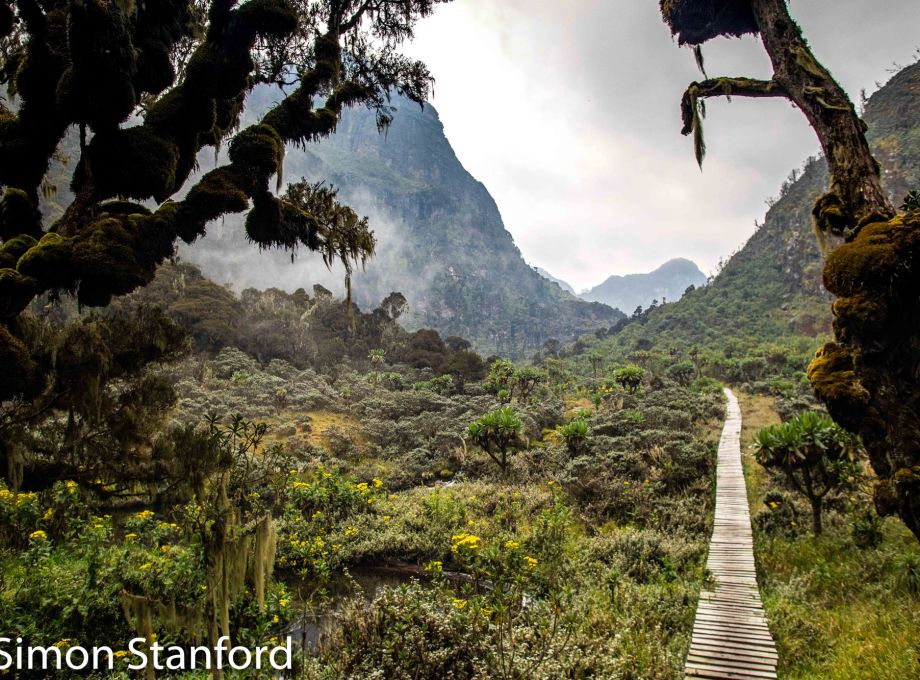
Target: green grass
837	611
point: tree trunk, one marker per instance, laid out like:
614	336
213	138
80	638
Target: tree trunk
856	192
816	516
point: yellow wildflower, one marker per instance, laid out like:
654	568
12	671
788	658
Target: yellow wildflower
282	603
145	566
530	562
377	483
38	535
511	545
459	604
130	537
120	654
362	487
468	541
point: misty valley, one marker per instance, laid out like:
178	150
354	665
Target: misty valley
282	396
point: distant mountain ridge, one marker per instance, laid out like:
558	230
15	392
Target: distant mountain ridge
771	288
562	284
441	240
669	281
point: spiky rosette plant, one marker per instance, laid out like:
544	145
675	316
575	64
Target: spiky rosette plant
868	376
814	454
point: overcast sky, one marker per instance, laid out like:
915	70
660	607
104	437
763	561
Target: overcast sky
568	112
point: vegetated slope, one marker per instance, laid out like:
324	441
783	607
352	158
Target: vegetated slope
772	288
562	284
627	292
441	240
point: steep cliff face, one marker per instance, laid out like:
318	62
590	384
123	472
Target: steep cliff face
627	292
772	286
441	240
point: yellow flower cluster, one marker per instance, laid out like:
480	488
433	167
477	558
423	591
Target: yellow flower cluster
38	535
144	514
8	496
464	541
531	562
512	545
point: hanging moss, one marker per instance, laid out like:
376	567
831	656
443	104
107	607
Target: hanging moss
50	261
20	374
13	249
134	162
831	216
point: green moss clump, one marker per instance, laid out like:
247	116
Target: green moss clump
880	258
123	208
859	316
50	261
259	149
16	291
836	383
134	162
13	249
213	74
18	215
885	498
217	193
85	100
154	68
273	223
268	18
696	21
105	259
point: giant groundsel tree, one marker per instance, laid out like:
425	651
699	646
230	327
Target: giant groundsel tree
868	377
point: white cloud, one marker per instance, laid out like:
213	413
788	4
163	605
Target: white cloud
568	113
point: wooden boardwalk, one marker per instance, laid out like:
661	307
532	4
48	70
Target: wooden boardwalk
731	639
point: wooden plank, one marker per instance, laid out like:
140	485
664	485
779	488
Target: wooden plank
731	639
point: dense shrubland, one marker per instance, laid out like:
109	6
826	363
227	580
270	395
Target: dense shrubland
355	454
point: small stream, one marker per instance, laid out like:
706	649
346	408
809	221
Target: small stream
312	630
